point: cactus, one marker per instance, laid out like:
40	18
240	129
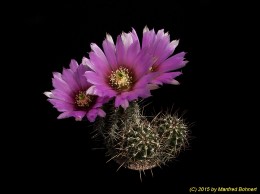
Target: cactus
139	144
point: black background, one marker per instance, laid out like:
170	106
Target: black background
217	93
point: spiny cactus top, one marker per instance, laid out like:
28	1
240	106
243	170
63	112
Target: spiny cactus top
138	144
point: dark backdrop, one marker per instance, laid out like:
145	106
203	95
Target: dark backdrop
215	93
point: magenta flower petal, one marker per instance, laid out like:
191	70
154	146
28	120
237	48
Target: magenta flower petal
69	95
91	115
102	90
74	65
148	38
135	37
87	62
68	77
78	115
100	102
107	91
144	93
162	49
61	105
130	96
143	81
132	53
139	92
167	78
94	78
127	39
120	51
173	63
98	57
142	63
119	101
59	83
167	51
101	113
110	51
94	91
65	115
82	81
63	96
153	86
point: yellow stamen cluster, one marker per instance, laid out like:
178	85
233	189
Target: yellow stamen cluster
121	79
83	100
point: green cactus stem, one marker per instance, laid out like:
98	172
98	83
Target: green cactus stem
138	144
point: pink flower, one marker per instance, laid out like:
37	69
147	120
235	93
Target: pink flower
120	70
160	48
69	94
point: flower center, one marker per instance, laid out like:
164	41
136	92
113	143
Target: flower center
83	100
121	79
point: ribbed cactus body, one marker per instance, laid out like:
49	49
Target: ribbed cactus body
139	144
